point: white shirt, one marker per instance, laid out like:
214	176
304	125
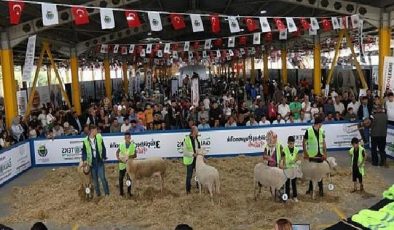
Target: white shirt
253	124
390	110
355	106
314	111
93	145
43	118
206	103
283	110
307	109
125	128
295	121
264	123
281	122
50	118
339	107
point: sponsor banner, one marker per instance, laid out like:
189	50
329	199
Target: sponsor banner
21	96
390	142
195	92
14	162
170	144
388	73
29	58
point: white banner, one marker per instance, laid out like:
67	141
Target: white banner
390	142
195	92
14	162
170	144
29	59
388	73
21	97
375	71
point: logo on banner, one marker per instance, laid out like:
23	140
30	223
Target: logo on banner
205	144
5	167
72	153
42	151
142	147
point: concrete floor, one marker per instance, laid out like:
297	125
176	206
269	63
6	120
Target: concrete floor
326	219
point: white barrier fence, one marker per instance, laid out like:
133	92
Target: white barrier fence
169	144
14	162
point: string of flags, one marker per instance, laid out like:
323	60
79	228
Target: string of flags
236	24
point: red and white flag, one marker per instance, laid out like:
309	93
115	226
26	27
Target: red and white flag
80	14
279	24
215	23
133	20
104	49
15	9
251	24
177	21
123	50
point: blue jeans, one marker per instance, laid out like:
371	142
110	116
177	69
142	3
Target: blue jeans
98	171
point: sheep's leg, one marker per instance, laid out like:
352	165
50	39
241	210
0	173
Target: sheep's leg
313	189
210	189
199	187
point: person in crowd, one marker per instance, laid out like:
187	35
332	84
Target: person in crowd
292	120
273	151
191	145
241	120
328	107
283	224
17	130
289	161
94	154
6	140
32	132
75	121
338	105
272	111
314	147
357	154
69	130
314	110
148	115
126	151
57	130
115	127
306	108
302	118
105	124
85	131
126	126
295	108
390	108
354	104
364	111
230	122
378	136
43	118
264	121
204	124
252	121
279	120
284	110
215	114
157	122
136	127
338	116
92	118
350	114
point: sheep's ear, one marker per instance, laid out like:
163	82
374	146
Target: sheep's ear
298	162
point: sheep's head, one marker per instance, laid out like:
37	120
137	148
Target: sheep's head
201	152
332	162
272	138
298	170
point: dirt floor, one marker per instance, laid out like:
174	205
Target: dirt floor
54	198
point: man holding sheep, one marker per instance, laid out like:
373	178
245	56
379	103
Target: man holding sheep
126	151
190	146
94	154
315	150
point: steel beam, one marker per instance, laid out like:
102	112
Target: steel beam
20	32
370	14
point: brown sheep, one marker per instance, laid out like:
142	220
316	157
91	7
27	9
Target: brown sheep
85	190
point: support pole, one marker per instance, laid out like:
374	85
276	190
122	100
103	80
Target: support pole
9	85
76	95
334	61
265	63
244	69
283	55
252	71
384	48
125	77
107	74
317	66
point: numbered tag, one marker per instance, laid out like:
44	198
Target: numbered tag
128	183
285	197
195	178
87	190
331	187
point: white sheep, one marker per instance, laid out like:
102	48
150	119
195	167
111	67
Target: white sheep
137	169
207	175
315	172
273	177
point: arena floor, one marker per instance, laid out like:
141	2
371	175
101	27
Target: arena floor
50	195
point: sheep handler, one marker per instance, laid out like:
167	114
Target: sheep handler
315	150
190	146
126	150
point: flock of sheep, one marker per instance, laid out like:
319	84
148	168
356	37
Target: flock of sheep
208	177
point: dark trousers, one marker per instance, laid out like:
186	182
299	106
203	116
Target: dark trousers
378	143
123	173
189	174
293	187
98	172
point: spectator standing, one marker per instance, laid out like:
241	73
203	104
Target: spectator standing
295	108
92	118
378	136
75	122
390	108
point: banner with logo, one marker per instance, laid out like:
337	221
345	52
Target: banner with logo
390	142
388	73
195	91
170	144
21	96
14	161
29	59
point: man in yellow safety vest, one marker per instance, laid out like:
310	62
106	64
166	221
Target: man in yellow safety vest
94	154
190	146
126	151
315	150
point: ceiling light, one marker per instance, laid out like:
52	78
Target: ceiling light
263	12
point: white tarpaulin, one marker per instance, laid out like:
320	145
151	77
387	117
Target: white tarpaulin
170	144
14	161
388	73
29	59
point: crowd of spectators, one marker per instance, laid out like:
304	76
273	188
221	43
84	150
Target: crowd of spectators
256	106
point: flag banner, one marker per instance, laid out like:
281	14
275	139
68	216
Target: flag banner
80	14
388	73
104	49
131	49
312	32
243	40
107	18
291	26
251	24
314	24
195	94
15	9
231	42
29	58
256	38
283	35
155	21
133	20
149	48
279	24
234	25
335	23
204	54
230	52
175	54
197	24
345	22
207	44
355	21
167	48
265	26
177	21
142	53
242	51
116	49
49	14
190	55
218	54
123	50
160	53
215	23
305	24
186	47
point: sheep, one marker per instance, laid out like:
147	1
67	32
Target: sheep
137	169
316	171
273	177
85	190
207	175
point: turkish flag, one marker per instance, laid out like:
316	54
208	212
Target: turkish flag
243	40
218	42
279	24
133	20
268	37
15	9
251	24
196	45
215	23
326	25
177	21
80	14
305	24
